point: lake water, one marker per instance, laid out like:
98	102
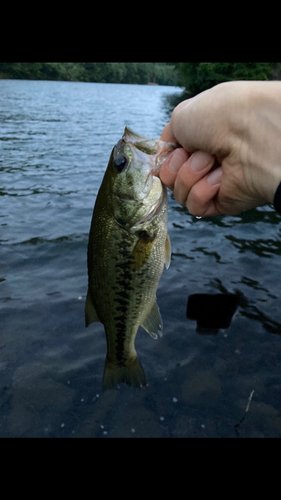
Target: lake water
55	142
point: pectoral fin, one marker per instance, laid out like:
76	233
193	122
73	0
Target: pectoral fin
168	252
90	311
153	322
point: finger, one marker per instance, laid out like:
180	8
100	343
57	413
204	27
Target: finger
191	171
171	166
201	200
167	134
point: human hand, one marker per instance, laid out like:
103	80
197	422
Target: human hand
230	159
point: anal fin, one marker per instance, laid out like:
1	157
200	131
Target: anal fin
153	322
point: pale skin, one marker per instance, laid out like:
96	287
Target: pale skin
229	159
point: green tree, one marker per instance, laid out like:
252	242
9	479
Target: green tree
71	72
166	74
51	71
111	72
116	72
21	70
199	76
131	75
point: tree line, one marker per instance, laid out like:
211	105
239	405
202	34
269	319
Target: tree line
199	76
107	72
193	76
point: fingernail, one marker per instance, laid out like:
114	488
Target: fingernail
178	157
215	176
200	160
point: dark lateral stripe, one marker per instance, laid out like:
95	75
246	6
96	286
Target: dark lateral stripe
122	292
122	301
120	327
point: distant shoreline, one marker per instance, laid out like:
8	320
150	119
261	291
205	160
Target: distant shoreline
7	77
131	73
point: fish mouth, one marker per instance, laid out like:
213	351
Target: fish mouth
156	149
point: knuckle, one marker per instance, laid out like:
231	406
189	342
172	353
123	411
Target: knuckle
183	178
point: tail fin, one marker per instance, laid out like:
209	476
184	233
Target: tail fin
131	373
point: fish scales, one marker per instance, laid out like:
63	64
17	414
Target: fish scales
126	254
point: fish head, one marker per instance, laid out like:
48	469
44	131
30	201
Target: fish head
137	192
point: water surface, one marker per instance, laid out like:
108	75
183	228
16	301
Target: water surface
55	141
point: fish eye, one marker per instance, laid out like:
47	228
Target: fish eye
121	163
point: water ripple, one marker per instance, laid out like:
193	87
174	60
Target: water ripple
56	138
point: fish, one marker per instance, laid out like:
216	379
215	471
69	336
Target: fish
128	247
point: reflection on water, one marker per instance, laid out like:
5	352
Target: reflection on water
261	247
211	311
250	310
247	306
170	101
56	138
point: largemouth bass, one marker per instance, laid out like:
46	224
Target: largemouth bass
128	247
